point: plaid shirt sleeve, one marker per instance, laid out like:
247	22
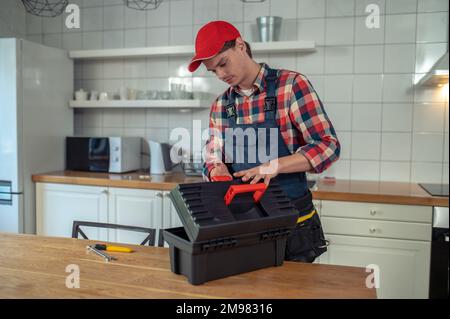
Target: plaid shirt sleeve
319	142
214	146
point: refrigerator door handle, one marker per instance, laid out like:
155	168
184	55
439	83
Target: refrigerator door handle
6	199
5	193
5	187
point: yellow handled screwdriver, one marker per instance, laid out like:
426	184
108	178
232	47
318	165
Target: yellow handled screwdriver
113	248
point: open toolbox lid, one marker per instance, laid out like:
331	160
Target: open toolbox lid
224	209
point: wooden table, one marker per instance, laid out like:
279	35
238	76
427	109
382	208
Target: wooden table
35	267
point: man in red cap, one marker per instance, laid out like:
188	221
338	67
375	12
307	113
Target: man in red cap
266	111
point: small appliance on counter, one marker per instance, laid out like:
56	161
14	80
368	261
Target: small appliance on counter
192	169
160	162
103	154
194	166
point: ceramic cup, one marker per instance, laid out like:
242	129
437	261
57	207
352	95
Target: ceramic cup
81	95
123	93
132	94
94	96
104	96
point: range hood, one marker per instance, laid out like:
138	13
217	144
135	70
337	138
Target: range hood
438	74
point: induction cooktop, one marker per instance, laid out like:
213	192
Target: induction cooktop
435	189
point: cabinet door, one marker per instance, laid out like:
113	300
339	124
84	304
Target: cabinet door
134	207
404	265
58	205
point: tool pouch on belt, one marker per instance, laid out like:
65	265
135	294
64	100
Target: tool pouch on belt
307	241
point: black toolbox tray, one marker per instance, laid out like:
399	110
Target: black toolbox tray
219	240
202	262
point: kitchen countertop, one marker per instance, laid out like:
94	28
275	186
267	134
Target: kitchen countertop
128	180
376	192
341	190
35	267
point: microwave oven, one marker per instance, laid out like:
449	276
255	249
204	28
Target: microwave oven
103	154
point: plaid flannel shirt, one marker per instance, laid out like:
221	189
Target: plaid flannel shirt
304	125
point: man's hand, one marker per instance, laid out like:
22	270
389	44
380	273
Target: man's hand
264	172
220	169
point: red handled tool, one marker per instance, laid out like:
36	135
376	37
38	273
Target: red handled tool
221	178
258	190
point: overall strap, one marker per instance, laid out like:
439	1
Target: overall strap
230	107
270	103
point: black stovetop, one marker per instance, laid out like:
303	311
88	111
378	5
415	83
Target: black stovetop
435	189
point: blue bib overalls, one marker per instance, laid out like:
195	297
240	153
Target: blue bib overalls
307	240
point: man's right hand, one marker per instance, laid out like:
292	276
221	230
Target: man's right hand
219	169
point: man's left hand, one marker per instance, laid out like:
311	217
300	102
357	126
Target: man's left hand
264	172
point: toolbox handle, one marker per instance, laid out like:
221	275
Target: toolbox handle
224	178
258	190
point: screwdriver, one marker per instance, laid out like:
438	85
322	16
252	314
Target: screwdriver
113	248
100	253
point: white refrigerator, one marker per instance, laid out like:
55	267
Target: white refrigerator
36	84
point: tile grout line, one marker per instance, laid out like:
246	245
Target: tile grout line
383	83
412	148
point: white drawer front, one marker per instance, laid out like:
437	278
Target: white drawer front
375	211
376	228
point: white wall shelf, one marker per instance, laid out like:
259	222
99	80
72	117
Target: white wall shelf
184	104
187	50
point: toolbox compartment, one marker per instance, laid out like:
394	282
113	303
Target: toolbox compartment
228	239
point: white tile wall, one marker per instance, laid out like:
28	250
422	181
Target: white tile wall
396	147
395	171
369	59
397	117
367	88
400	58
389	129
311	9
401	6
432	27
367	117
366	145
400	28
365	170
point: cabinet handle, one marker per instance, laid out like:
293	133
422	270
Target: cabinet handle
159	194
105	192
372	230
373	212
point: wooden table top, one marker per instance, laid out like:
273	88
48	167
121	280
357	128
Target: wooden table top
342	190
35	267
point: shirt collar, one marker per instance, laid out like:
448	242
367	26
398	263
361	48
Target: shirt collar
259	83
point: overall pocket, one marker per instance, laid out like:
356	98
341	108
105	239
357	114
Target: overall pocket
306	242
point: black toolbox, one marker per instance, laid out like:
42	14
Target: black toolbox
224	234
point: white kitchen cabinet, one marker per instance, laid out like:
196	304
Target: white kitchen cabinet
394	237
133	207
404	265
58	205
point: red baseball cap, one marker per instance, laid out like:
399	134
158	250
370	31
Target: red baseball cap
210	40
